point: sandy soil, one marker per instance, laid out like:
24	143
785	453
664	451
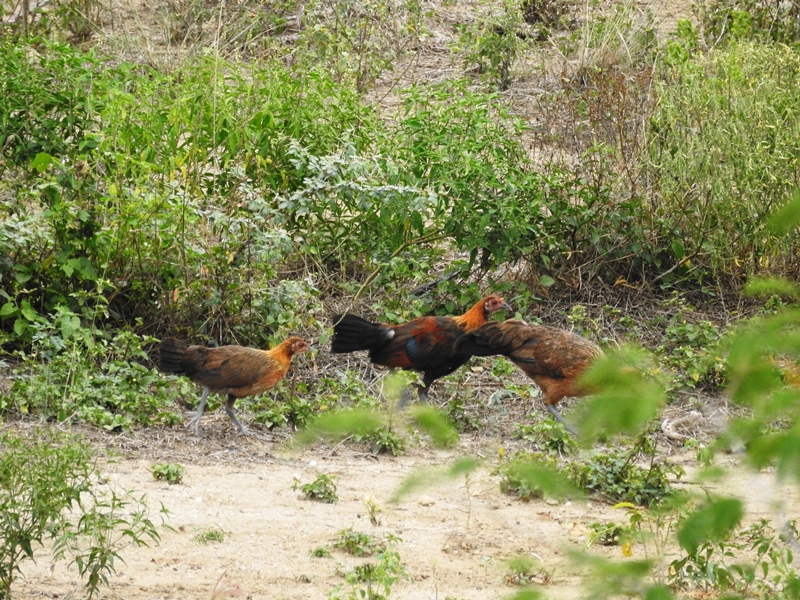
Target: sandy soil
457	536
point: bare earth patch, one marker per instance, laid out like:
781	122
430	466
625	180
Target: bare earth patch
457	536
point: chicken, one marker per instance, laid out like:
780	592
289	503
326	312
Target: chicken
424	344
554	358
233	370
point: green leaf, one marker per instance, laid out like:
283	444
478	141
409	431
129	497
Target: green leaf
678	249
20	325
69	325
625	400
435	424
546	281
8	309
787	217
41	161
28	312
710	524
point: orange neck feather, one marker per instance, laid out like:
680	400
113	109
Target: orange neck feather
473	318
282	352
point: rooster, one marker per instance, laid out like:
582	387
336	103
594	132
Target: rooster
554	358
233	370
424	344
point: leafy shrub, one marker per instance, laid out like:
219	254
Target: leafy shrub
732	20
615	475
358	46
351	205
490	198
357	543
323	488
492	45
45	479
712	198
49	98
549	435
94	379
171	472
383	441
717	563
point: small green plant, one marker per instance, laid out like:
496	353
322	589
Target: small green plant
46	479
717	564
320	552
171	472
374	580
357	543
211	535
616	476
549	435
383	441
525	570
322	489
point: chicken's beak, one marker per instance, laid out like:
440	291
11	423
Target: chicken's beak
507	306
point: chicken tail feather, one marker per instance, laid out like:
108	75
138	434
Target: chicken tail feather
352	333
171	355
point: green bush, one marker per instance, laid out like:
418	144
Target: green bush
724	148
50	95
43	481
763	20
323	489
93	378
171	472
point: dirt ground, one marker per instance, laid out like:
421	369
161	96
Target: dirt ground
457	536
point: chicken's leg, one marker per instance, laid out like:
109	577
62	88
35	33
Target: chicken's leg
229	410
422	395
194	423
554	411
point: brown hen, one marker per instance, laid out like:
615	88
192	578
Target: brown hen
233	370
554	358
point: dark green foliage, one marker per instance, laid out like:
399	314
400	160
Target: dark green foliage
616	476
49	100
95	379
